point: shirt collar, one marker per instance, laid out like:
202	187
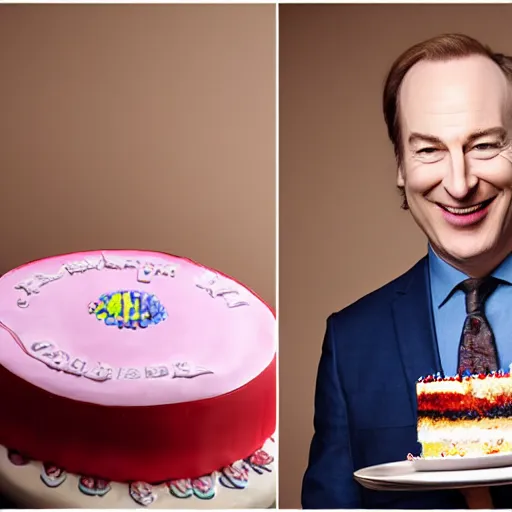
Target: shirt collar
444	278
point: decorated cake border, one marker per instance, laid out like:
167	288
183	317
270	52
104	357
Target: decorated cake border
466	376
192	492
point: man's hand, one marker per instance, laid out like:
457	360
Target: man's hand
478	497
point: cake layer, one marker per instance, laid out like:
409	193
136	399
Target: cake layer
212	336
455	405
435	387
444	438
478	396
481	386
435	450
150	444
459	430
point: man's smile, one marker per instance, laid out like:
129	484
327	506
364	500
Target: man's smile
466	210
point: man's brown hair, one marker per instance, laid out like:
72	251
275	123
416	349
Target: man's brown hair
441	48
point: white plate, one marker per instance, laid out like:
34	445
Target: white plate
402	476
497	460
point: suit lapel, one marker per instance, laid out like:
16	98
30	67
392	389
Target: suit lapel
412	311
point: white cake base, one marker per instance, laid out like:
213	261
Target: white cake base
23	486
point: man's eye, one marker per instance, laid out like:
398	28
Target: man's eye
486	146
426	151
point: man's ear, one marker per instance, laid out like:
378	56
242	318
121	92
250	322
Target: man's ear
400	180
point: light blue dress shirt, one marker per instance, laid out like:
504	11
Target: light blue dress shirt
449	316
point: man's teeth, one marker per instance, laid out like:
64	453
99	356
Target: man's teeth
463	211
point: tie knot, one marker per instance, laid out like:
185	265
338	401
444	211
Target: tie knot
477	292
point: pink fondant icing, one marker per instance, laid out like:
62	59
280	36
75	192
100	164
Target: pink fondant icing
236	344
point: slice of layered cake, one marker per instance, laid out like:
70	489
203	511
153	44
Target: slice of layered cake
465	416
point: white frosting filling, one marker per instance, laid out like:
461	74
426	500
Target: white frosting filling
448	386
491	387
463	434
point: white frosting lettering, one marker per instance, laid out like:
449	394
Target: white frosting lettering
61	360
119	263
100	372
77	367
82	266
156	372
51	356
188	371
129	374
145	272
32	286
41	345
58	359
215	286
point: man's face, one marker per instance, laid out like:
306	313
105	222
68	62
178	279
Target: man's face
457	158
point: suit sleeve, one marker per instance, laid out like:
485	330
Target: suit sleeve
328	482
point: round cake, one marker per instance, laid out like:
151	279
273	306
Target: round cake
139	368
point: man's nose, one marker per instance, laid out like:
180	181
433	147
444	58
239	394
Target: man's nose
459	181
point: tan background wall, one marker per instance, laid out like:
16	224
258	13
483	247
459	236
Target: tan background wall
132	126
342	232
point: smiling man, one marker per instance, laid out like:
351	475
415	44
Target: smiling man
448	108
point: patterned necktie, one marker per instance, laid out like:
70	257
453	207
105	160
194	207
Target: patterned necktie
477	350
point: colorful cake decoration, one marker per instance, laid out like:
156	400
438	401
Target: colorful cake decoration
260	461
17	458
465	376
142	493
93	486
204	487
52	475
129	309
181	488
234	477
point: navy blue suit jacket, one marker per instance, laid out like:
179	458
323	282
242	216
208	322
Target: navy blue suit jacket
365	403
